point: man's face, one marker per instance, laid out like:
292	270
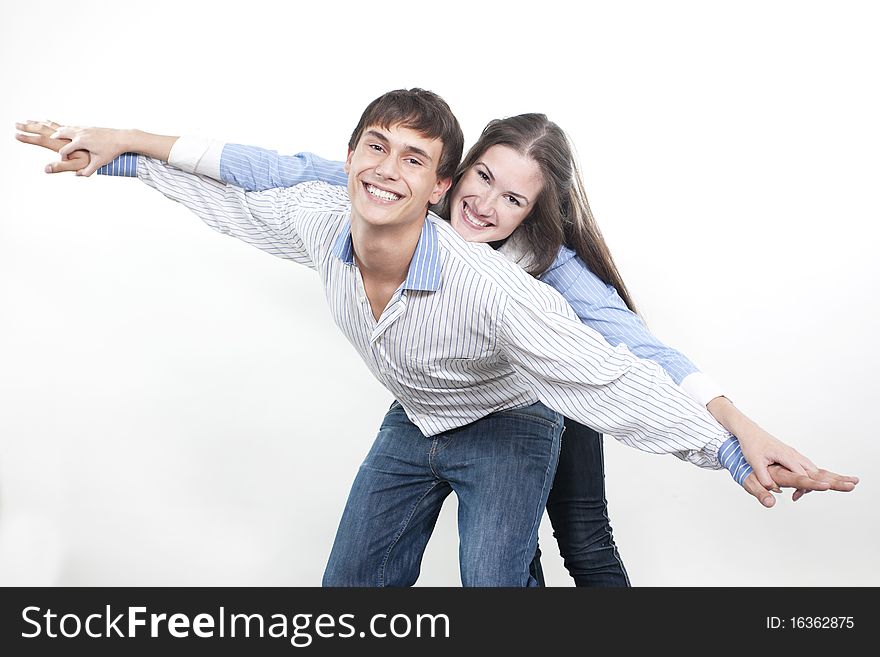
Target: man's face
392	176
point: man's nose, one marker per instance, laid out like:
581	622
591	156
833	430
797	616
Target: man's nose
388	168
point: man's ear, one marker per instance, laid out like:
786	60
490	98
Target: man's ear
440	189
347	166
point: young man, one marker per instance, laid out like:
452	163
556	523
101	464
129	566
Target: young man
466	341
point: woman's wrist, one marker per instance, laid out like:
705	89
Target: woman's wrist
728	415
146	143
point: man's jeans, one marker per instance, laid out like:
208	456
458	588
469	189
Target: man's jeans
500	467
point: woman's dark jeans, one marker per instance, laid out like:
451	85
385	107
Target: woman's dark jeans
579	513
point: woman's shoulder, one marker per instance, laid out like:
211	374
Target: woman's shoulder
571	275
567	262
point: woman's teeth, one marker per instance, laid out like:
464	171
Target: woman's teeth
471	219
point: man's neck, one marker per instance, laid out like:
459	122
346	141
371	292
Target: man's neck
384	253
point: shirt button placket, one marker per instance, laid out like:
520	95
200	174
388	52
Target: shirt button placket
379	354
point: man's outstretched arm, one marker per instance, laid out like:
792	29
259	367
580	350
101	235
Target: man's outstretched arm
85	150
638	405
253	168
260	218
103	150
252	165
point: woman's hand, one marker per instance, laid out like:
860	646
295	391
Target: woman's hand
39	133
775	465
99	145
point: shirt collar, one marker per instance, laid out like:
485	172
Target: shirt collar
424	268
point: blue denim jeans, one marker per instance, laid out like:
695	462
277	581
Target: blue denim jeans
579	513
500	467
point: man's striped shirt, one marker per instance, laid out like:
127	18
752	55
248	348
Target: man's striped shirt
468	333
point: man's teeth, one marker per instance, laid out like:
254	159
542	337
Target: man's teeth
473	220
382	194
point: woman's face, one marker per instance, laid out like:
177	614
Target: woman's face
495	195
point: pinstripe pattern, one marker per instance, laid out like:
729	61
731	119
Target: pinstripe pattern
732	458
488	338
258	169
599	306
124	165
596	303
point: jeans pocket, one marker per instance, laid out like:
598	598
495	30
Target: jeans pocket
537	412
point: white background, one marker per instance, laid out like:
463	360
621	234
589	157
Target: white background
177	408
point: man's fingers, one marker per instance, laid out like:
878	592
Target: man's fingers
843	483
798	494
65	165
40	140
835	481
789	479
32	135
37	127
755	489
827	474
37	140
805	483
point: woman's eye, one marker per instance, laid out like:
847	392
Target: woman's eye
482	175
513	200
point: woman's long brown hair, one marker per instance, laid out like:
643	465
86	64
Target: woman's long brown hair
561	213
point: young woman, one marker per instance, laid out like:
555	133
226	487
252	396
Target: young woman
519	190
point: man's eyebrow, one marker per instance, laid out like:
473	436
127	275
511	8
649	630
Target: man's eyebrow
415	150
375	134
492	177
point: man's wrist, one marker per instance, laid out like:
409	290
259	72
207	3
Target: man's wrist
126	166
732	458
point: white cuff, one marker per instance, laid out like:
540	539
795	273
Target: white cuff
197	155
701	388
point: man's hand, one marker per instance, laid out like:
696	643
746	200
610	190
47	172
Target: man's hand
776	465
39	133
102	144
771	458
802	483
